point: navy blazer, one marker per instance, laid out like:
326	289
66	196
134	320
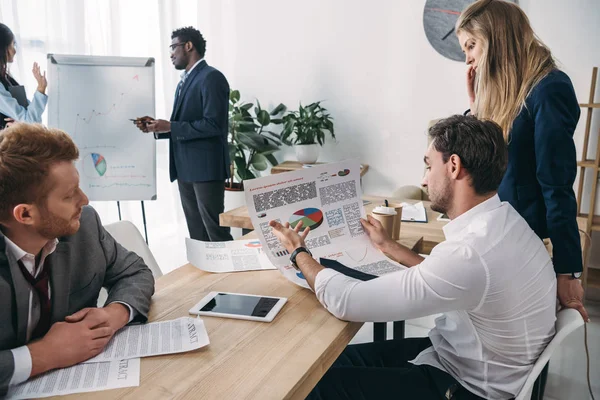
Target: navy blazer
542	167
198	150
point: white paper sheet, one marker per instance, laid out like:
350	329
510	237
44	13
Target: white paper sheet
414	212
79	378
166	337
328	199
232	256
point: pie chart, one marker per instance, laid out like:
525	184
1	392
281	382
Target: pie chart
311	217
99	163
94	165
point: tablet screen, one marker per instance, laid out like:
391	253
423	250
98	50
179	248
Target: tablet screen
240	305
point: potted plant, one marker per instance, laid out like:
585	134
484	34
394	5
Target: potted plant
251	143
306	129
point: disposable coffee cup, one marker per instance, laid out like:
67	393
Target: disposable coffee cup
397	220
386	216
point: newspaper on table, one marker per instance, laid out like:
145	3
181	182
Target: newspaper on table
153	339
326	198
231	256
79	378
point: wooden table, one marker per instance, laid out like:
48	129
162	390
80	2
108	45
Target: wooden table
431	232
283	359
287	166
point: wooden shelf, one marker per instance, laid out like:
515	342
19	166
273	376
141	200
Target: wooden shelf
590	105
595	221
593	278
587	164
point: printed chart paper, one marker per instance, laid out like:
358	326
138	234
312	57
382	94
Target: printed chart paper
231	256
166	337
79	378
326	198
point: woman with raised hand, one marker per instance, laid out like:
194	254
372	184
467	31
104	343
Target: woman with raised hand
513	80
10	109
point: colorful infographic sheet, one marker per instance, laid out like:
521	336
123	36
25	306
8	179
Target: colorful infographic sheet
326	198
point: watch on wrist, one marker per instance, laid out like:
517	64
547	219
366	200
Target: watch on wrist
573	275
295	253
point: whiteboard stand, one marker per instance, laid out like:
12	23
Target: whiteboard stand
143	218
93	100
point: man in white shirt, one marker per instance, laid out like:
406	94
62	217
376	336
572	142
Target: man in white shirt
492	279
55	256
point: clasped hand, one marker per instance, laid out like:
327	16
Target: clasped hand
82	336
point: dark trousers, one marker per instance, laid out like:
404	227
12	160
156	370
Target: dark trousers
202	203
381	370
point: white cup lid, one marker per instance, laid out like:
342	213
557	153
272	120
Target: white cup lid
385	210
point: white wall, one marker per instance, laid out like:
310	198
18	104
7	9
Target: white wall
373	66
370	63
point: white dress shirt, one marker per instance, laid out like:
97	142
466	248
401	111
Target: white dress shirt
10	107
494	282
21	355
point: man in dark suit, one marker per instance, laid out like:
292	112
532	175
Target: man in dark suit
197	133
55	256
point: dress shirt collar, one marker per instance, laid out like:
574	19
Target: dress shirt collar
455	228
184	74
19	253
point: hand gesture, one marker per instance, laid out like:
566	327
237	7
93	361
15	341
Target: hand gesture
290	238
376	232
471	85
142	123
159	126
40	78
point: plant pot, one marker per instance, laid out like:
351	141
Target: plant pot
307	153
234	196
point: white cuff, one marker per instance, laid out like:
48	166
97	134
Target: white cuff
132	312
22	358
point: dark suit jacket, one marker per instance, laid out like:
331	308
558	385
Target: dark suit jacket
542	167
198	150
79	267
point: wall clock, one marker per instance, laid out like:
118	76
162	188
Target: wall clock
439	19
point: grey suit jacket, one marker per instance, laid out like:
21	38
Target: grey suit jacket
79	267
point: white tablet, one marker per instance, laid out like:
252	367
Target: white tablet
241	306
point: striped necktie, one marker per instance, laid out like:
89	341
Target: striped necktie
40	285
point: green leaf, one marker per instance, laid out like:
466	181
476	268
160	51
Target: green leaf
259	162
276	121
272	159
232	150
256	142
242	171
246	106
279	109
263	118
245	127
234	96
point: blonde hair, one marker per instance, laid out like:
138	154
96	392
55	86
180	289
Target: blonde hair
513	61
27	152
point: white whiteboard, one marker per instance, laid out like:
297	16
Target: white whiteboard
92	98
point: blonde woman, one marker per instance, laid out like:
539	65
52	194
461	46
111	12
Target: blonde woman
513	80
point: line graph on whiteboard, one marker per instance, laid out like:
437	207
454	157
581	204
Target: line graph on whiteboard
81	121
94	105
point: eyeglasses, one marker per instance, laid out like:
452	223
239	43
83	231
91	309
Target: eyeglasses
174	46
